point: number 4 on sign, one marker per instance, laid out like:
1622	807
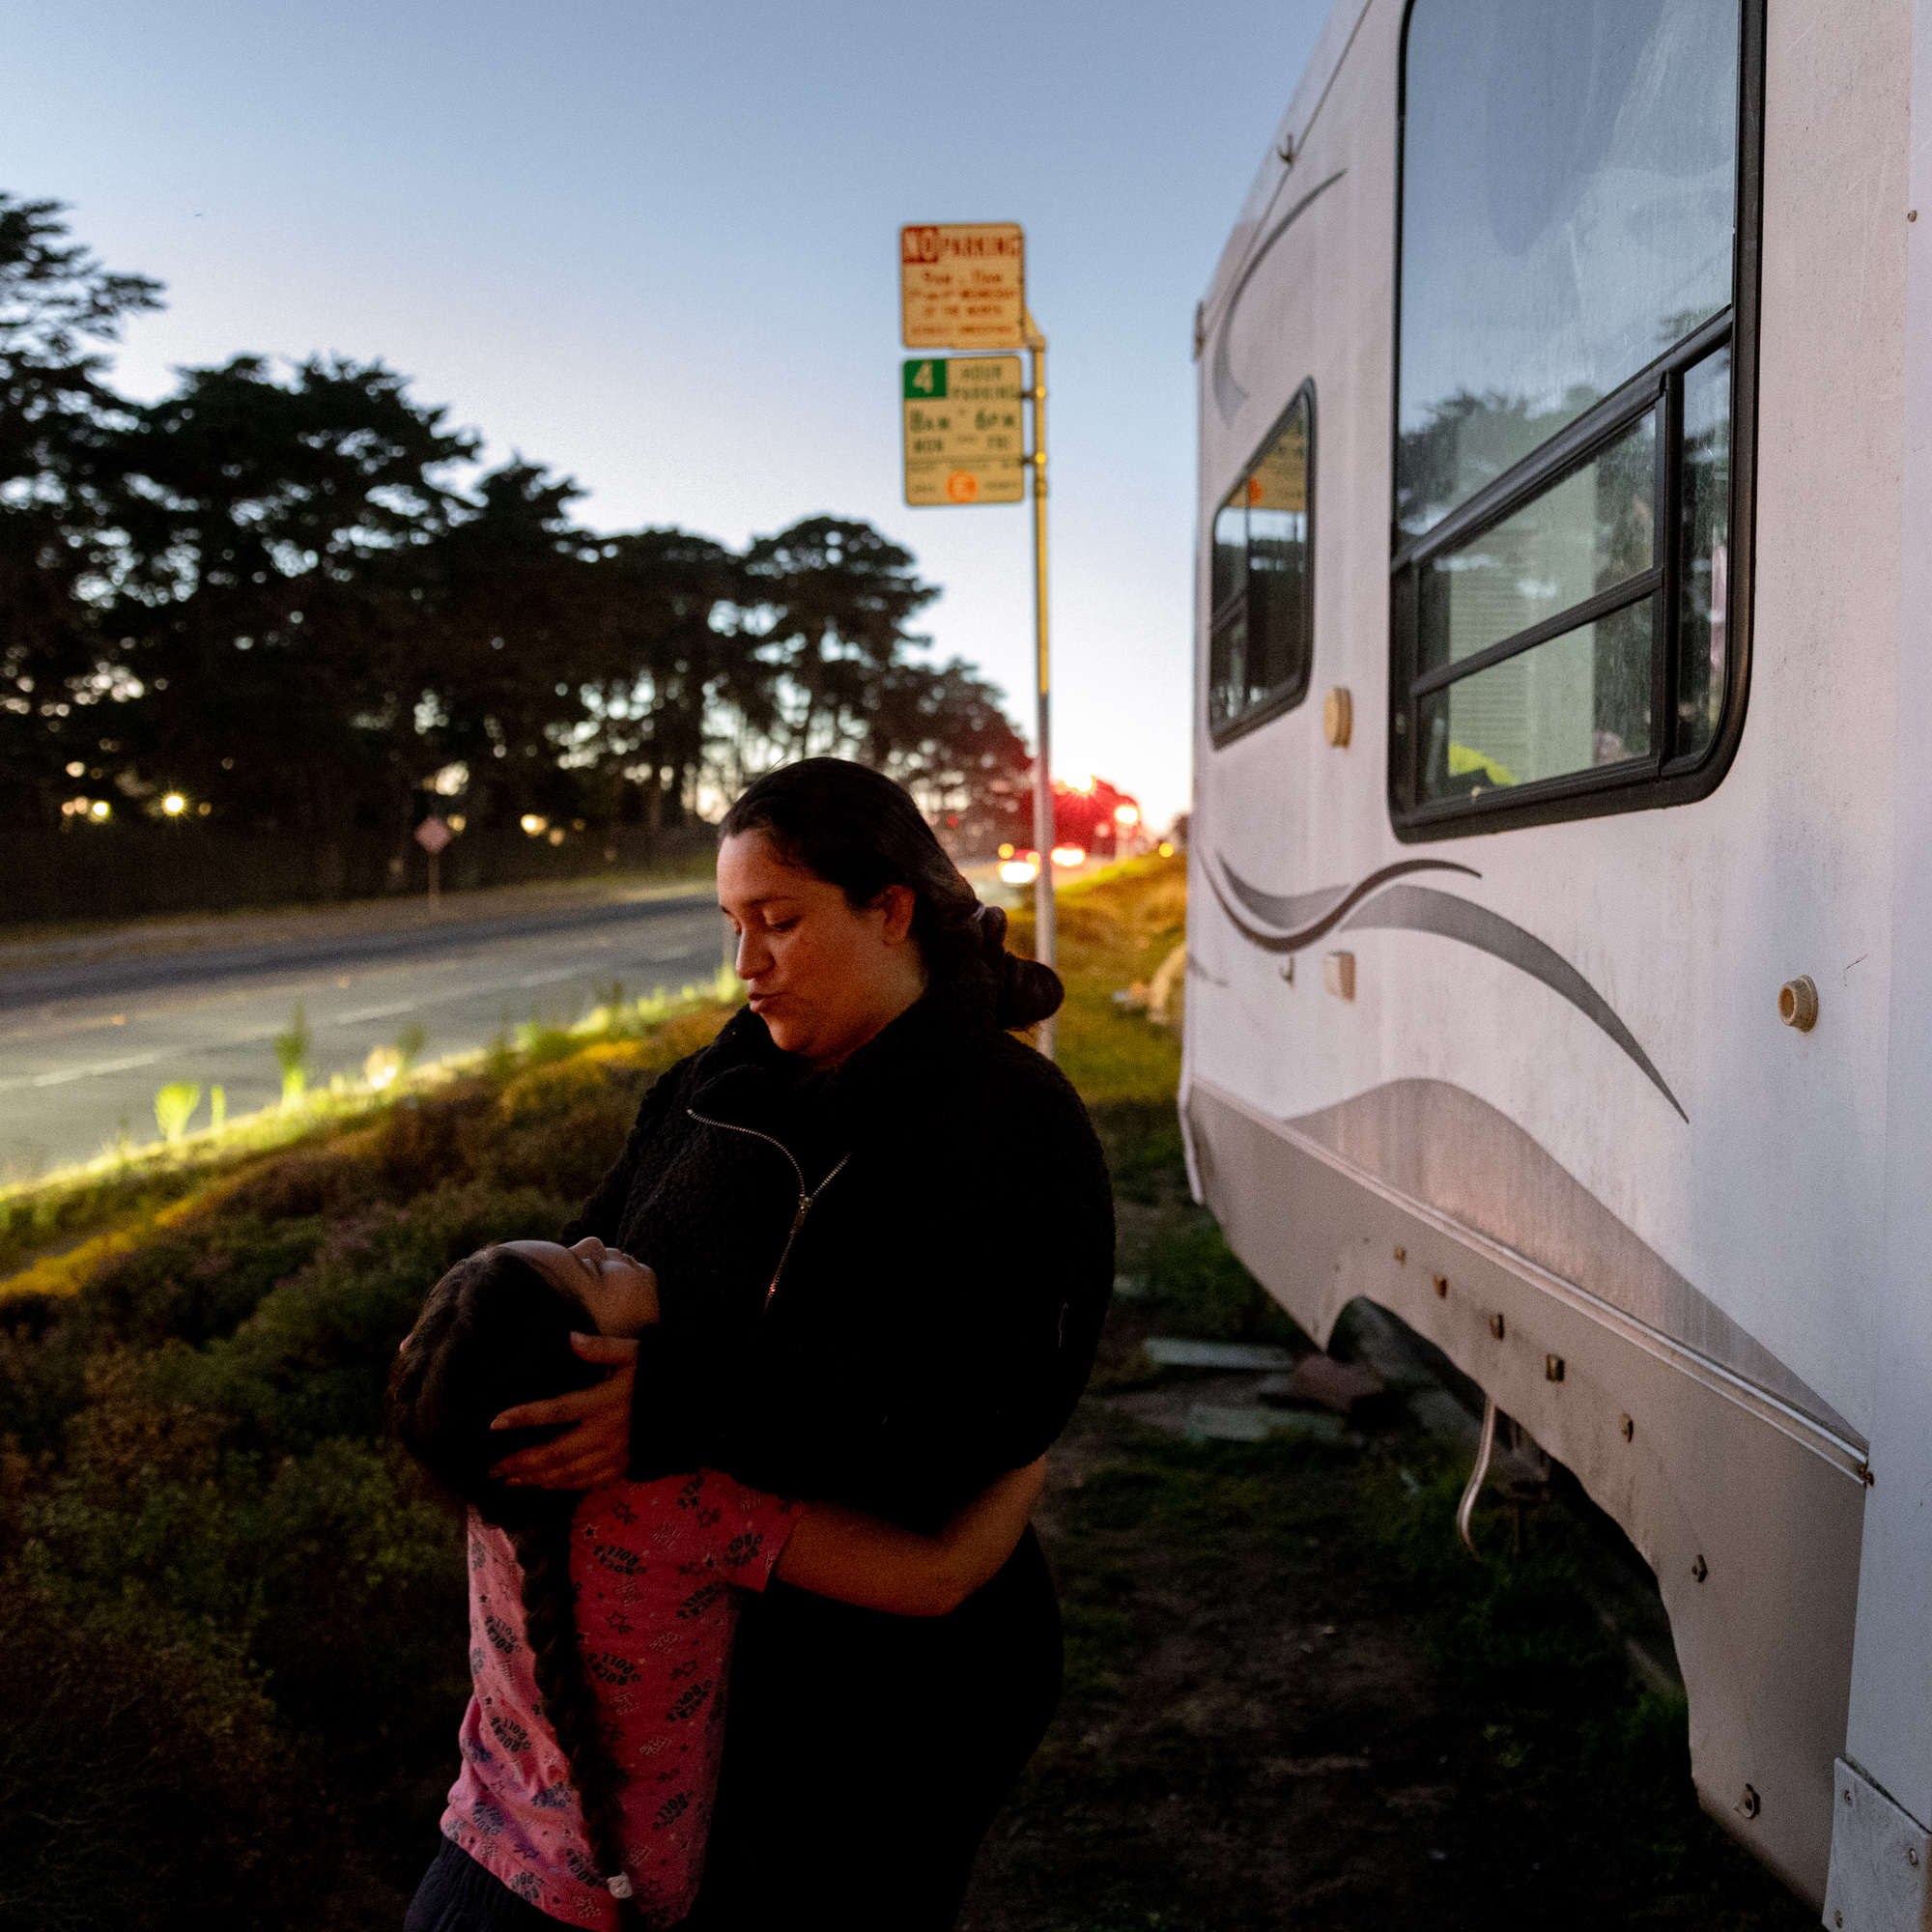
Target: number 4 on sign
922	379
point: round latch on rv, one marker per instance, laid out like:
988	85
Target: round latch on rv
1338	716
1798	1002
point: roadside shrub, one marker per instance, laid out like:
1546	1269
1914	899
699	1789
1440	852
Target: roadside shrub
425	1138
243	1607
189	1286
143	1787
330	1178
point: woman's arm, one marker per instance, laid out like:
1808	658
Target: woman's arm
841	1553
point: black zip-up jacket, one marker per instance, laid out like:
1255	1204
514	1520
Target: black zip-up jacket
881	1285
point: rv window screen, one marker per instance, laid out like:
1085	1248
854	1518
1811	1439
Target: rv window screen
1571	192
1261	580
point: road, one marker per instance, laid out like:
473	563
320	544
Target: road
83	1048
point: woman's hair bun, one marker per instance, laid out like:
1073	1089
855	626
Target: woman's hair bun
1024	991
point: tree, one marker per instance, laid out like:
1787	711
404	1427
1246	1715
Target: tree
267	591
514	606
943	733
830	601
668	653
271	599
57	484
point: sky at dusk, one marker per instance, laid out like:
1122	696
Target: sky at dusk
656	248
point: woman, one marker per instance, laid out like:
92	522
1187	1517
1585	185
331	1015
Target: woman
883	1234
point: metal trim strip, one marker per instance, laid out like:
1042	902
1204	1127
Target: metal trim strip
1842	1455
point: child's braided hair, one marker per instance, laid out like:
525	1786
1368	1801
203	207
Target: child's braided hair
495	1333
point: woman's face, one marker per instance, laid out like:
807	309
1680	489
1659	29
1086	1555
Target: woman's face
823	978
619	1294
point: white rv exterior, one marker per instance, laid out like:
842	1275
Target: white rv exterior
1495	1041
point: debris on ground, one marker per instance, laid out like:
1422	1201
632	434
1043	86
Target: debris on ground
1172	1352
1212	1422
1337	1385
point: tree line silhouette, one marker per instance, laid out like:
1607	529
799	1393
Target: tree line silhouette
283	599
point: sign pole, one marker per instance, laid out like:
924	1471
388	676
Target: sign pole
1045	948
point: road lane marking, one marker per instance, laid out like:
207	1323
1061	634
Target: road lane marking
374	1013
62	1074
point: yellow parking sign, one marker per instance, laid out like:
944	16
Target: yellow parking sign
964	437
962	285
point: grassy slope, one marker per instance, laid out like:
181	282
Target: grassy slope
231	1643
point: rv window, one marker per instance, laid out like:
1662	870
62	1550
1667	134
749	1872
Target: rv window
1262	581
1571	192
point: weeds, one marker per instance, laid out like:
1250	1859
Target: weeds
174	1108
291	1056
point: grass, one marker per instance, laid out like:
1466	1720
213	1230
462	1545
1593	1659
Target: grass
1291	1697
1288	1687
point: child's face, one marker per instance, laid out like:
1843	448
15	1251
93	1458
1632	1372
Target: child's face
620	1294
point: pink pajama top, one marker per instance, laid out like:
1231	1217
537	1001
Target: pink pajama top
658	1569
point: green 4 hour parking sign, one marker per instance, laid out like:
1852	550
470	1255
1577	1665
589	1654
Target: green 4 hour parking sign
963	440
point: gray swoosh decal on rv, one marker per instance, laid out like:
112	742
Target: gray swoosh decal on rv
1417	909
1228	395
1421	909
1321	910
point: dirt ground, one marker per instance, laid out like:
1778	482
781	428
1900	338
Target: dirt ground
1294	1699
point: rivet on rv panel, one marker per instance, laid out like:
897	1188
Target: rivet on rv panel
1626	1429
1552	1368
1699	1569
1749	1804
1338	974
1337	717
1441	1282
1496	1326
1798	1002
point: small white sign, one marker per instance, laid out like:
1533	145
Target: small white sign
433	834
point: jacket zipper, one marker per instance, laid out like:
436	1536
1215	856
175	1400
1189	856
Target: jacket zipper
805	1199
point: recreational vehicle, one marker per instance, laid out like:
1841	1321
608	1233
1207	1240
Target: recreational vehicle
1560	969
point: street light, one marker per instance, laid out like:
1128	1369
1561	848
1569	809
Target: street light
174	805
98	809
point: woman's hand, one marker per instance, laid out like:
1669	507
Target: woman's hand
597	1448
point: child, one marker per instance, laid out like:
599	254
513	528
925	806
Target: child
601	1626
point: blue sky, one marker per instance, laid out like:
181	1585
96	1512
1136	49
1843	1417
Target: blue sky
655	248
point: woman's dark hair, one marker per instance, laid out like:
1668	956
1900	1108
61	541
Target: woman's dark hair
495	1333
857	830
